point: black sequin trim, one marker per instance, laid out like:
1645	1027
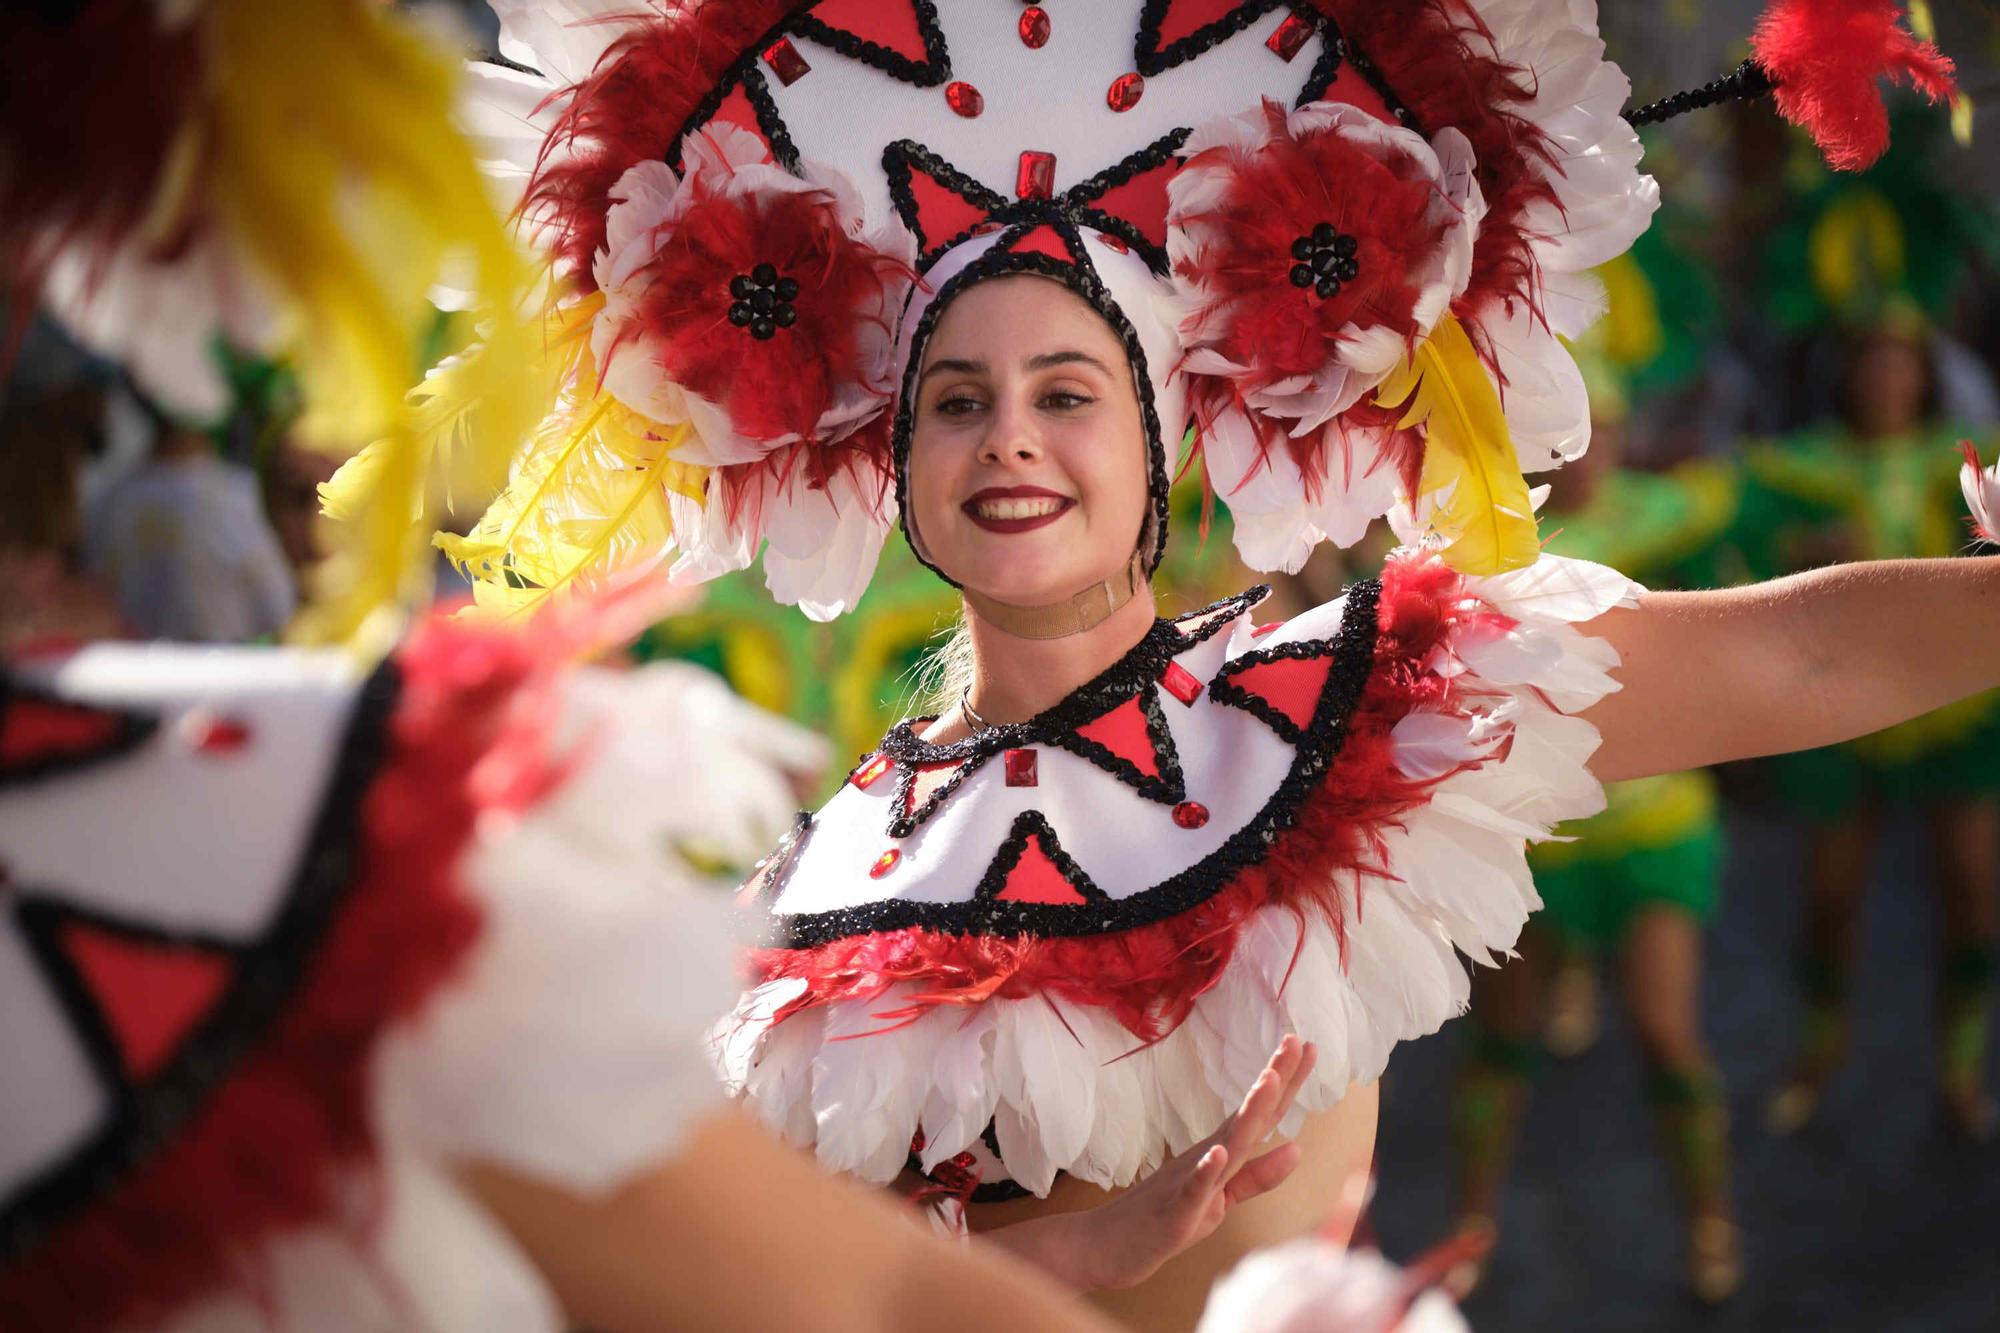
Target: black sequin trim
1336	50
905	156
130	731
769	876
146	1118
902	157
1034	824
1353	651
1081	196
1152	59
1080	278
1167	787
768	120
1224	689
903	820
932	70
1131	674
744	70
1748	80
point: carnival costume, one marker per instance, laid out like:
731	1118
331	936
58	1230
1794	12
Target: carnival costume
285	938
1341	241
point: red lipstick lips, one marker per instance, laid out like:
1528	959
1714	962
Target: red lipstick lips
1021	523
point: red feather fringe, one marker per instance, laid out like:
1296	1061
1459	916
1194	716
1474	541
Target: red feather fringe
276	1146
631	109
1827	58
1150	976
89	106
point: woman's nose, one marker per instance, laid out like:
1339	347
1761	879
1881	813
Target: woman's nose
1011	436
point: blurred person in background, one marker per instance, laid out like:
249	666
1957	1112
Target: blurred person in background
1878	482
1634	883
185	545
46	434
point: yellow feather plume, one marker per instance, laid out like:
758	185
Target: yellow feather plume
1471	476
334	165
589	498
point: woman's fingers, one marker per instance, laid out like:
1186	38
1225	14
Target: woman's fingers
1269	1098
1263	1173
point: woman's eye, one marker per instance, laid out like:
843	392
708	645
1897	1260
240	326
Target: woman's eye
957	405
1064	400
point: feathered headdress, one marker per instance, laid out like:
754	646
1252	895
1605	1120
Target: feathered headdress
1366	228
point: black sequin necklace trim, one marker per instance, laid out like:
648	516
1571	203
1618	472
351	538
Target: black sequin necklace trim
1352	649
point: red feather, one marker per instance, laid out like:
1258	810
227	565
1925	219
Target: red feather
632	108
1149	977
89	106
1437	57
1828	57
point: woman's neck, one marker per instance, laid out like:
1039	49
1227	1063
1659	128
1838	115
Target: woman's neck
1015	678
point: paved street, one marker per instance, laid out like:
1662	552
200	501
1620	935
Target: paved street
1871	1220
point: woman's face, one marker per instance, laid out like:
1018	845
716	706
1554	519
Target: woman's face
1891	379
1028	460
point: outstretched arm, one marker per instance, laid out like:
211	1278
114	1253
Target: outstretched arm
1795	663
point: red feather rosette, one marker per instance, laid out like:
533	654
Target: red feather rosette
1311	251
755	306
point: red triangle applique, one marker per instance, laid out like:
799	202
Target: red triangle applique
150	993
941	212
890	24
1044	240
737	109
1141	200
1036	878
1290	685
36	731
1123	732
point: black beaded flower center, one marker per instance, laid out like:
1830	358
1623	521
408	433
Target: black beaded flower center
1325	260
763	301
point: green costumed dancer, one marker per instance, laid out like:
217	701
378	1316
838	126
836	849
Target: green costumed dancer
1639	879
1880	481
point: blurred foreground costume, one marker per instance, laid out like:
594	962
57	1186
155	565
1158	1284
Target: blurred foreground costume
350	927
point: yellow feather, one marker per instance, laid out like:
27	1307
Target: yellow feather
1479	498
350	191
589	498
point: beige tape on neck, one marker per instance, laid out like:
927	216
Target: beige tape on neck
1086	610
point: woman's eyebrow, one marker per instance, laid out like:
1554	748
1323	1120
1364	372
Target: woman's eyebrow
1040	361
1047	359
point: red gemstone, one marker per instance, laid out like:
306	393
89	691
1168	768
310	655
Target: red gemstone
1037	177
1112	242
987	228
865	776
887	861
1125	92
1190	814
1262	630
212	733
1020	768
1035	27
786	62
1289	37
964	99
1181	683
